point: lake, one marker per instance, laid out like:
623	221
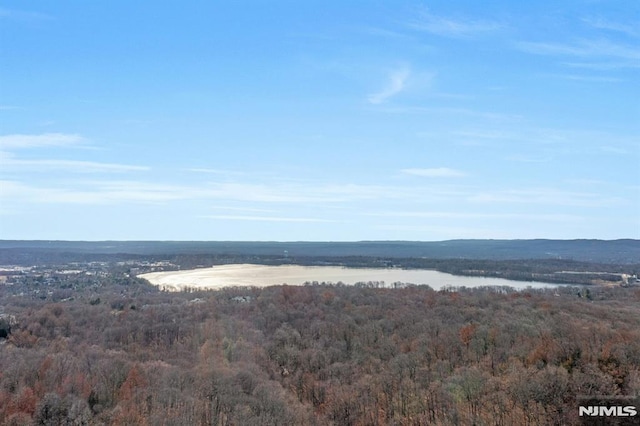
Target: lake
238	275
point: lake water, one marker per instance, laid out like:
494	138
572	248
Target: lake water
263	275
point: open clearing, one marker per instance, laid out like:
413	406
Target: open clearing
238	275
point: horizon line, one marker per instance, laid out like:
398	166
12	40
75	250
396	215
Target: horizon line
315	241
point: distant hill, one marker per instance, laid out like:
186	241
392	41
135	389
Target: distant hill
602	251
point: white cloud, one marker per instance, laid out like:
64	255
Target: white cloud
244	209
205	170
266	218
578	139
495	116
384	32
19	141
458	28
396	84
588	78
126	191
524	158
274	193
21	15
603	66
603	24
15	142
583	49
548	196
301	192
89	193
72	166
475	215
435	172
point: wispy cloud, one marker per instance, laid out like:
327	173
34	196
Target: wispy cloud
602	66
90	193
474	215
548	196
301	192
244	209
542	136
72	166
587	78
19	141
15	142
439	172
457	28
592	50
130	191
602	48
22	15
384	33
262	193
490	115
523	158
632	30
396	84
207	171
266	218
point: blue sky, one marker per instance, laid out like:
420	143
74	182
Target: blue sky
319	120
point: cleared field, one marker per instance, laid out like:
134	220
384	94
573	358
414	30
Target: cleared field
239	275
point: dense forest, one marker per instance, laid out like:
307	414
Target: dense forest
596	251
121	352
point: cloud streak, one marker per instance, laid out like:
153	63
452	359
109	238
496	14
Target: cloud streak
439	172
129	191
396	84
90	193
266	218
17	142
72	166
22	141
418	110
455	28
604	24
24	16
604	53
472	215
548	196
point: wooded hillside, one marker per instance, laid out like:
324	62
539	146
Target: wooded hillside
318	355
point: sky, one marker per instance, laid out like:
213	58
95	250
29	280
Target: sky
319	120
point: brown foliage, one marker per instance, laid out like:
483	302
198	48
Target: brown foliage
322	355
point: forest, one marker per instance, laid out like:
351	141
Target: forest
113	350
621	251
